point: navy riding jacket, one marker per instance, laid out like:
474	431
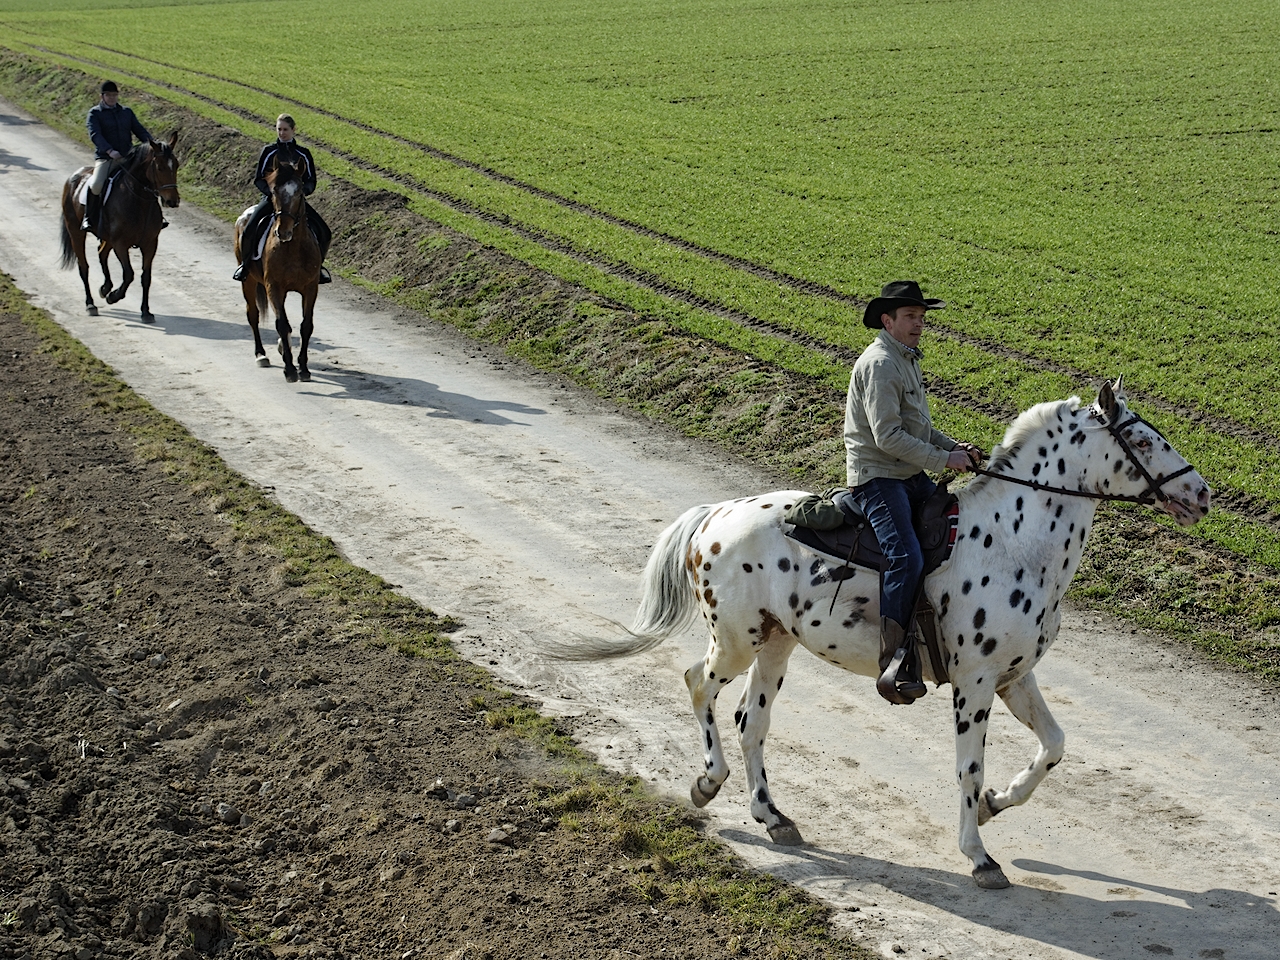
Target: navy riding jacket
288	152
113	128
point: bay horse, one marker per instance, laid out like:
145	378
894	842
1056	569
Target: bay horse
1022	532
290	262
131	217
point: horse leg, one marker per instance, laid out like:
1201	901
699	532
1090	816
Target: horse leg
972	703
78	238
148	251
705	679
104	252
1024	700
752	717
283	330
126	278
304	332
255	302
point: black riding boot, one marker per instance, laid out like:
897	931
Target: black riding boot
92	213
896	683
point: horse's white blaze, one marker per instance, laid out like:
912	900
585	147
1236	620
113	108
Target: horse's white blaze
998	597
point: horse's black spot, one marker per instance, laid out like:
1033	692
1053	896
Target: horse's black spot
808	604
795	632
724	679
985	581
714	617
973	534
1019	503
1066	544
1050	766
1071	529
746	567
1015	598
762	795
815	567
962	727
708	739
959	639
762	700
1040	617
751	630
743	725
820	579
1043	452
997	517
980	716
780	683
988	646
968	585
1118	467
862	601
1084	532
1026	606
1016	524
973	767
968	801
1035	471
795	601
763	775
1015	661
1018	576
1066	563
784	564
979	617
711	675
986	541
960	705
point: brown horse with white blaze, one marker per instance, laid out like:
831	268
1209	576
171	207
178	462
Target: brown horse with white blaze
290	263
131	217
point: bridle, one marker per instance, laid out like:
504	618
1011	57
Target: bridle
1149	496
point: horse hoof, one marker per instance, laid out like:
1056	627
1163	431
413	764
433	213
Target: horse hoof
991	877
91	310
702	796
291	376
148	318
114	297
304	375
985	810
264	362
785	835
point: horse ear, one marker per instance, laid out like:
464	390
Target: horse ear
1118	387
173	140
1107	401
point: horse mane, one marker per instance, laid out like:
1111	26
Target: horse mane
1025	425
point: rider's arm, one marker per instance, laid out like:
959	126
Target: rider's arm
260	172
94	124
137	128
882	400
308	172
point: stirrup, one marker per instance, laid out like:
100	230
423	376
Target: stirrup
242	271
905	692
325	276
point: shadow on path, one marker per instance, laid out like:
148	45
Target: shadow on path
1114	925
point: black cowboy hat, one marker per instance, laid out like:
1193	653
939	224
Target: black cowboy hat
899	293
109	86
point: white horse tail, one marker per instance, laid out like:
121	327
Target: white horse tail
667	601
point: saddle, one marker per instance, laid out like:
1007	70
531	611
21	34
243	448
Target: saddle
833	525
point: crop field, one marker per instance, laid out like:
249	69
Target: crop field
1091	186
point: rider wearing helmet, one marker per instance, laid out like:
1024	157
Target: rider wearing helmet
112	128
889	443
285	150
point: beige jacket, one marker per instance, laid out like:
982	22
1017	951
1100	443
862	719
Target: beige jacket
887	430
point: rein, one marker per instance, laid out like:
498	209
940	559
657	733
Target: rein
1148	497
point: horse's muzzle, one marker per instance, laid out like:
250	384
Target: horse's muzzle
172	203
1189	505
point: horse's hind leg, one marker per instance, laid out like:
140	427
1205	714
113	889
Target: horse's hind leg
122	254
752	717
1024	700
705	679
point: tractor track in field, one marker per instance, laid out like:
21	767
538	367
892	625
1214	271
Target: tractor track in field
1256	509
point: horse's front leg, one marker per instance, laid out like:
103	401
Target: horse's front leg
752	717
104	251
276	295
126	268
148	255
304	332
78	238
724	660
972	699
1024	700
255	302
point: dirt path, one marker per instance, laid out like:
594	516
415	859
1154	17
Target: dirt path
527	510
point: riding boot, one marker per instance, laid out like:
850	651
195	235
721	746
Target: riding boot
895	683
325	276
242	271
92	211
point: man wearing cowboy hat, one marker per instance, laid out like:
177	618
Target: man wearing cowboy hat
889	443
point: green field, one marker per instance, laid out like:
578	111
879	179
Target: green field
1089	184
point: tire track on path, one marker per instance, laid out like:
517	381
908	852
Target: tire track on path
1254	508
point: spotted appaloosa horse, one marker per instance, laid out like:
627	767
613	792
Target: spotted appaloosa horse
1022	532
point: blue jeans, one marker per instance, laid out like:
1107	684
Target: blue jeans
889	505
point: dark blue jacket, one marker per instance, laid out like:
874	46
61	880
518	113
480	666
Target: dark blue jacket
113	128
290	152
